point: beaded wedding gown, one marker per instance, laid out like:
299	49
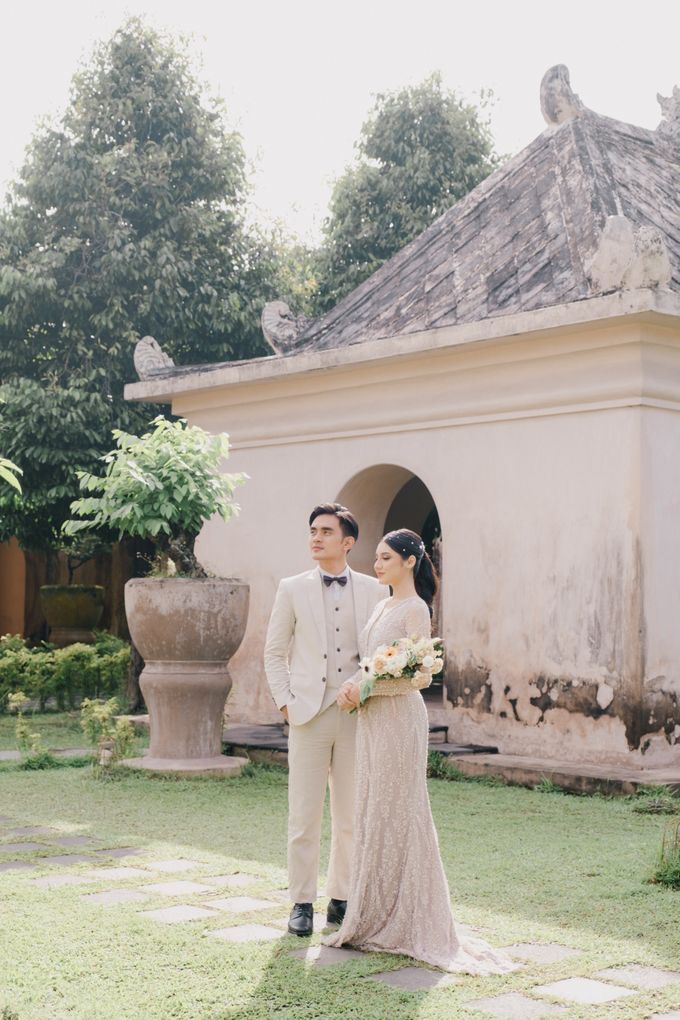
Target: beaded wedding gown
399	897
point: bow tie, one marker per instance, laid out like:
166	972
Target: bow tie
328	580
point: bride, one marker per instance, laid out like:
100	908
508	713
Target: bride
399	897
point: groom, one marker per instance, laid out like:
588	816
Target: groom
311	649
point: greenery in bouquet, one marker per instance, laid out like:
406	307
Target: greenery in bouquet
161	486
413	659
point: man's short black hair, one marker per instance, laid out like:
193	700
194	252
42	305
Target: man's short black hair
348	522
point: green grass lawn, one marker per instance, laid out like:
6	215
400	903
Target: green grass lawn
522	865
57	729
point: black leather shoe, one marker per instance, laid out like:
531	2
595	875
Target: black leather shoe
336	911
301	920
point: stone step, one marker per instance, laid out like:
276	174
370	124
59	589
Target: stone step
572	776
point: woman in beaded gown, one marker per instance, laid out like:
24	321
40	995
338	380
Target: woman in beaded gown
399	897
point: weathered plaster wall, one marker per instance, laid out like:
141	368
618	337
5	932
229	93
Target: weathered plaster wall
560	584
660	543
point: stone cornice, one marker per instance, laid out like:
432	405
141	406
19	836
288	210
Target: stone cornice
661	307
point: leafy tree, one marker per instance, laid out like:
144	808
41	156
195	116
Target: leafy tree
420	150
126	220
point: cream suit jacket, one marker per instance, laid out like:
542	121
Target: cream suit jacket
295	650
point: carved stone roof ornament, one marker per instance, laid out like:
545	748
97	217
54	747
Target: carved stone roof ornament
150	358
670	114
280	327
628	258
559	103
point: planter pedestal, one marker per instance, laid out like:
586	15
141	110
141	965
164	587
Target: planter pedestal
186	630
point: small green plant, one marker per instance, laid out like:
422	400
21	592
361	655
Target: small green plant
8	1014
161	486
111	738
437	766
33	754
546	785
656	800
668	865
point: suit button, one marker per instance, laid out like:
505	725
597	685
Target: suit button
337	630
340	670
323	679
338	649
325	656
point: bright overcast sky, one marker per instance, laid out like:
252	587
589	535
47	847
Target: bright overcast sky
298	77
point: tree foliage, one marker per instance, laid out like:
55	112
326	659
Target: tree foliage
421	150
126	220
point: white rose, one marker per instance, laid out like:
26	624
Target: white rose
428	661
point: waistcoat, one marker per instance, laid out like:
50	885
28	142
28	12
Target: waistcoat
341	641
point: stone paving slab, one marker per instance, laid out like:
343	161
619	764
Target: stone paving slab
415	979
174	915
5	819
57	881
237	881
114	896
584	991
514	1006
537	952
32	830
107	874
17	848
178	864
118	851
674	1015
325	956
640	977
246	933
72	840
177	888
319	921
241	904
67	859
17	866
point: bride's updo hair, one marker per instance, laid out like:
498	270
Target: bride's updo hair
407	543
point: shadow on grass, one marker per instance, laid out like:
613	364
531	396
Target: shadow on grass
522	864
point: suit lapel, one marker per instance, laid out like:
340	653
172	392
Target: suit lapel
315	600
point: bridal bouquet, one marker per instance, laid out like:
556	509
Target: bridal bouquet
414	659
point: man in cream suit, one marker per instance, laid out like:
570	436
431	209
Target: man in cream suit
311	649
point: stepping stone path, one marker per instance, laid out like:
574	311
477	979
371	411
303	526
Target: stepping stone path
178	888
182	912
640	977
514	1006
241	904
415	979
246	933
113	896
531	953
584	990
610	984
326	956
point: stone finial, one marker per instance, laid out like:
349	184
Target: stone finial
558	102
628	258
280	327
150	358
670	114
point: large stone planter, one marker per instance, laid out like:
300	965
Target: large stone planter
186	631
72	611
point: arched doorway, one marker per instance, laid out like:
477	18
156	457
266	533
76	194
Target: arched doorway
385	497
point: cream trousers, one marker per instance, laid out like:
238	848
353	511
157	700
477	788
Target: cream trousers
320	754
